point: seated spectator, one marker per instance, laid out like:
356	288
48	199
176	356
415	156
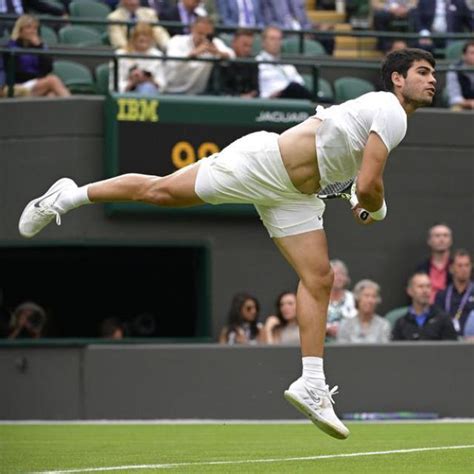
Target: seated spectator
341	300
185	11
292	15
460	84
243	326
440	240
143	76
457	300
278	80
367	326
387	11
33	71
240	79
192	77
423	322
441	17
240	13
130	10
396	44
111	328
282	328
27	321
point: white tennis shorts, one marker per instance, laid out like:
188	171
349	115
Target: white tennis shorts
251	171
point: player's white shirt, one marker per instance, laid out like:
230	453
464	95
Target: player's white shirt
341	138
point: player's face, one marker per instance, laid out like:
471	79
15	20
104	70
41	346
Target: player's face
288	307
420	290
419	86
368	300
440	238
462	268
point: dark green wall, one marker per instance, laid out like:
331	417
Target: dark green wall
428	179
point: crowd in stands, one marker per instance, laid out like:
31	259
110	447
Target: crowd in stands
193	36
440	305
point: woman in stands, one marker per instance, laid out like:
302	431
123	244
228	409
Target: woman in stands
282	327
143	76
33	71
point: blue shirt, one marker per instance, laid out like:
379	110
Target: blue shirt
419	318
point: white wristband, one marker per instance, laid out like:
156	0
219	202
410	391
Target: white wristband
380	214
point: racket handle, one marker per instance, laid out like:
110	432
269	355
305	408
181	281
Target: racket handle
363	215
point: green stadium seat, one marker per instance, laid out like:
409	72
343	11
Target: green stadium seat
79	36
90	9
325	92
347	88
395	314
48	35
453	50
102	78
311	47
75	76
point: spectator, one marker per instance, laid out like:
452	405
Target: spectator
292	15
460	84
130	10
278	81
192	77
341	300
367	326
387	11
282	328
437	265
243	326
439	16
185	11
33	71
241	13
27	321
423	321
397	44
143	76
111	328
469	328
240	79
457	299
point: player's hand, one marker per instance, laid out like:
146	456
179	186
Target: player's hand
361	215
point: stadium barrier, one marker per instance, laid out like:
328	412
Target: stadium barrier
83	381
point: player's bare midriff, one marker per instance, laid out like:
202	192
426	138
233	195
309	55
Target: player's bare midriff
298	151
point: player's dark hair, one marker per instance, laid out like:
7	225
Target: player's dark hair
400	61
467	44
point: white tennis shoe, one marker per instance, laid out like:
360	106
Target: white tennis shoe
317	405
41	211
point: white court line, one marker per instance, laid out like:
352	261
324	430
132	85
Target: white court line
253	461
216	421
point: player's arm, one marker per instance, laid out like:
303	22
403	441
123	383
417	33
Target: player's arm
370	189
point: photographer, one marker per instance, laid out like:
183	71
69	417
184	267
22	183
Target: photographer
191	77
141	75
27	321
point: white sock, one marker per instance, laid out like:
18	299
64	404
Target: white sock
70	199
313	371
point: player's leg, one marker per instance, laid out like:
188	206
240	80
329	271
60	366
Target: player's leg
307	253
175	190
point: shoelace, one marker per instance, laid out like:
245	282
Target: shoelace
50	212
322	393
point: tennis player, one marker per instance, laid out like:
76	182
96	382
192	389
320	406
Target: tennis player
280	175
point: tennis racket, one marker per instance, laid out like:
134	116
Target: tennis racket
343	190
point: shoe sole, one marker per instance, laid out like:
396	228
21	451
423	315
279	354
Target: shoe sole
319	422
55	186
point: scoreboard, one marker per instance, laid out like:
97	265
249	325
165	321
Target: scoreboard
162	134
